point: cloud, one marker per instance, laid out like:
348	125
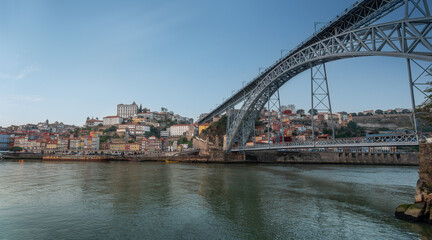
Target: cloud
20	75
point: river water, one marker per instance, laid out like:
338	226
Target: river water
130	200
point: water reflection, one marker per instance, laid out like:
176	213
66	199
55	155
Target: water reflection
115	200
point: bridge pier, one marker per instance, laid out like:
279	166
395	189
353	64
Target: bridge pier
320	92
420	211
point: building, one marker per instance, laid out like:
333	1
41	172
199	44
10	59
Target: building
90	122
151	144
165	133
127	110
90	143
203	127
180	129
112	120
141	129
130	128
4	141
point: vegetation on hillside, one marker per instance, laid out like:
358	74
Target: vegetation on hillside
351	130
216	131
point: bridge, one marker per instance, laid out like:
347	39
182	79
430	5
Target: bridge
360	31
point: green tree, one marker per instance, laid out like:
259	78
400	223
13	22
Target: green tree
110	129
16	149
300	111
424	111
315	111
379	111
104	138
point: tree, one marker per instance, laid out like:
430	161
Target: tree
424	111
315	111
300	111
104	138
360	114
369	114
354	114
379	111
16	149
110	129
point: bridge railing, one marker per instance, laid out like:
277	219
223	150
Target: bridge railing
396	140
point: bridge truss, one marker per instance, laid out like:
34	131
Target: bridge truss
349	35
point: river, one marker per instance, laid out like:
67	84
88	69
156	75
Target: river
130	200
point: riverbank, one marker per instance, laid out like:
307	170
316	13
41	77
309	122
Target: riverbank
274	157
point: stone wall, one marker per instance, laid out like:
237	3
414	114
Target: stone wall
421	209
334	158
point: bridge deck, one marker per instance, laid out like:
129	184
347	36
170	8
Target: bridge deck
406	140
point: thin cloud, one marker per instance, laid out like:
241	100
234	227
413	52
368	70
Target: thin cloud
20	75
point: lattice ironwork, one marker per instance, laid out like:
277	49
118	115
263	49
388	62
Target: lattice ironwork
384	141
361	14
407	39
320	95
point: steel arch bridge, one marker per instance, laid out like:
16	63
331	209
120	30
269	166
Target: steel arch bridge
352	34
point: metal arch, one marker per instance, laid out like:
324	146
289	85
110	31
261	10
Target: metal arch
360	14
408	38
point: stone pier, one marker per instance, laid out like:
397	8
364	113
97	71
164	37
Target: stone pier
420	210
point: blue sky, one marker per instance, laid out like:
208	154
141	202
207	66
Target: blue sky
66	60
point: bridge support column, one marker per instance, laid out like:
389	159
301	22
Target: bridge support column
274	103
320	92
417	85
229	113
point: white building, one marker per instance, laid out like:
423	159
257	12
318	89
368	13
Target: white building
123	128
165	133
89	123
180	129
127	110
141	129
112	120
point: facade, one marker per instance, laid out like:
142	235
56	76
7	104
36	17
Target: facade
127	110
165	133
123	128
203	127
151	144
180	129
4	141
90	143
112	120
141	129
91	122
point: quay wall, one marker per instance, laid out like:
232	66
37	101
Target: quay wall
411	159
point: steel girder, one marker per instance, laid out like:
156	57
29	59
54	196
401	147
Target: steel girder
409	38
400	140
360	14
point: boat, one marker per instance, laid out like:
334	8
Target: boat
171	161
79	158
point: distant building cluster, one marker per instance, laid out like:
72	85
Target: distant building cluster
295	125
134	130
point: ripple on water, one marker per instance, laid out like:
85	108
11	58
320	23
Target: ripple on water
193	201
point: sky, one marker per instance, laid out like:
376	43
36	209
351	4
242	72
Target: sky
67	60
